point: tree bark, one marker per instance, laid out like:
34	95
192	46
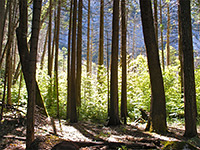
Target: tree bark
114	106
124	68
2	13
101	41
79	53
188	69
56	56
168	34
73	113
158	109
88	39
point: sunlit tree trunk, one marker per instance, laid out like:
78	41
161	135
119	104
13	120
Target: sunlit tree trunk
8	56
157	120
114	106
188	70
101	40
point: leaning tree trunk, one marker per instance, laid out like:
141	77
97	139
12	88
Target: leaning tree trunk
157	121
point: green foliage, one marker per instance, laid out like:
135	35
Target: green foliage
94	94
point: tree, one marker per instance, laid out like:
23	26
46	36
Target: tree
157	121
79	53
188	69
124	68
73	113
168	34
114	106
101	40
156	18
29	58
161	35
2	13
56	55
88	39
68	63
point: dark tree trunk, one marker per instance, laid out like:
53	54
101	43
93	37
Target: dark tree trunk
73	113
114	106
124	70
188	69
79	53
101	41
2	13
88	39
158	108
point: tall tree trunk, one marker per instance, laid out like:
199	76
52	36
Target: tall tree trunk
114	106
49	40
161	36
108	74
56	55
69	64
157	121
101	40
30	58
180	50
8	55
79	53
88	39
188	69
168	34
124	69
73	113
2	13
24	54
156	18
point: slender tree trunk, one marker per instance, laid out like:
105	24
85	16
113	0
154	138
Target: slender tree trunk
49	40
101	40
79	53
157	121
56	56
91	50
69	64
124	69
73	113
168	34
108	74
156	18
161	36
8	56
2	13
180	50
188	70
44	50
114	106
88	39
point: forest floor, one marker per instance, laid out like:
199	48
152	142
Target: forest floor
86	135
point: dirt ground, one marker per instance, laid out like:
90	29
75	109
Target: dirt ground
86	135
